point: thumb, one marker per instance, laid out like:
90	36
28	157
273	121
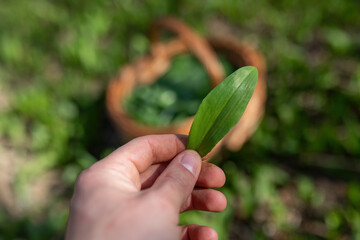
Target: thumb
177	181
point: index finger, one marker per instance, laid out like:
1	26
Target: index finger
147	150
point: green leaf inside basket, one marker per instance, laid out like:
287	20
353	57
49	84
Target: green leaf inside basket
173	97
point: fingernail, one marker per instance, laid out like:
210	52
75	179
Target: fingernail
188	160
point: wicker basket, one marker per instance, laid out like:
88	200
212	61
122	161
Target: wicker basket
149	68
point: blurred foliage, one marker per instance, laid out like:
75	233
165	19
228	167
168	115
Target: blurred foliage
297	177
174	96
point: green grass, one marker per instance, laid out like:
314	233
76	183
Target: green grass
300	168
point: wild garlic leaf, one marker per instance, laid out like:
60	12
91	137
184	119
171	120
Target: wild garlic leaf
221	109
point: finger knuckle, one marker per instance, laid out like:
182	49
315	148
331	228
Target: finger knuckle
85	178
175	183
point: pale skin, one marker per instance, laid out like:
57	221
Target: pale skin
139	190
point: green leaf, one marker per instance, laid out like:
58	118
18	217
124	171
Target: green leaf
221	109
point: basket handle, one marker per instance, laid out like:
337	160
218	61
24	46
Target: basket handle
194	42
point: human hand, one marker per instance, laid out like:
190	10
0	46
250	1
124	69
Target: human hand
138	191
